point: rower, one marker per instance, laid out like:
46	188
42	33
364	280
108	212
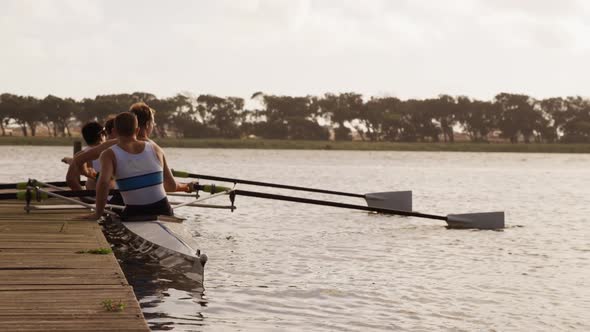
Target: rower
146	124
145	120
108	127
140	170
94	135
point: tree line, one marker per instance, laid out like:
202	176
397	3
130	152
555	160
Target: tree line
514	117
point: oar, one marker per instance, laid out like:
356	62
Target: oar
483	220
23	185
41	195
71	200
398	200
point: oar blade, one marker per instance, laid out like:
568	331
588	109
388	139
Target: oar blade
393	200
482	220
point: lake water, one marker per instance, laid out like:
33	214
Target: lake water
276	266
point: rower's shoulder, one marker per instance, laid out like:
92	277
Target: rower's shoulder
93	153
102	146
155	146
107	153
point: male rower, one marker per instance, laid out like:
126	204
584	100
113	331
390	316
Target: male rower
92	173
94	135
140	170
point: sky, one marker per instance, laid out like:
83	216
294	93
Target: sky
401	48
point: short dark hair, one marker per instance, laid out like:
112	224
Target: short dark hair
143	113
91	132
109	125
126	124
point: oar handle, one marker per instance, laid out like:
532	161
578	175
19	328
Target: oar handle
248	193
182	174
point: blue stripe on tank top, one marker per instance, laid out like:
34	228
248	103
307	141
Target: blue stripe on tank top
140	181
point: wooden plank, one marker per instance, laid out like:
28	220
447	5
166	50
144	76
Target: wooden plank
36	247
56	261
62	277
45	285
55	287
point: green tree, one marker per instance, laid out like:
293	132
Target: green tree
477	117
555	108
339	110
168	109
381	118
444	110
291	117
223	114
576	128
8	105
59	112
103	106
26	113
418	122
517	116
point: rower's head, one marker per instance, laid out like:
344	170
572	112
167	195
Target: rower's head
108	127
145	117
126	125
93	133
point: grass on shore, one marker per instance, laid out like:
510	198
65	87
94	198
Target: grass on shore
322	145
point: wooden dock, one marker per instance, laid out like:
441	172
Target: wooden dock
47	285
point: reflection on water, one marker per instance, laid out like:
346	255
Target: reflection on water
167	299
276	266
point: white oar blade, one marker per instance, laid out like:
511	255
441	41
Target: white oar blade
483	220
394	200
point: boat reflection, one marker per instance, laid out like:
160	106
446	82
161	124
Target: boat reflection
168	299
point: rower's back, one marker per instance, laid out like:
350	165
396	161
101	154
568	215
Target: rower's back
138	172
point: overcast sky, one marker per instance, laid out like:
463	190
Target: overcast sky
408	49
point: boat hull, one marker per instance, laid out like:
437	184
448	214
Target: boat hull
158	243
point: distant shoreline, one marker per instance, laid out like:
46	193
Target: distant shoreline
323	145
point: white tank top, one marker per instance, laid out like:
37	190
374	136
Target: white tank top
95	163
139	177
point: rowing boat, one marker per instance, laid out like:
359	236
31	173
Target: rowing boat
160	242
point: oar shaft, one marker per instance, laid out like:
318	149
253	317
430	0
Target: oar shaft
266	184
23	185
248	193
4	196
71	200
80	193
21	195
202	199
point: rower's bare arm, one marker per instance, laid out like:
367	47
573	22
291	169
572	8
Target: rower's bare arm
69	160
73	174
170	183
91	154
73	177
103	184
89	171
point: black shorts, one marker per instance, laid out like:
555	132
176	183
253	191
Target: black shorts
159	208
